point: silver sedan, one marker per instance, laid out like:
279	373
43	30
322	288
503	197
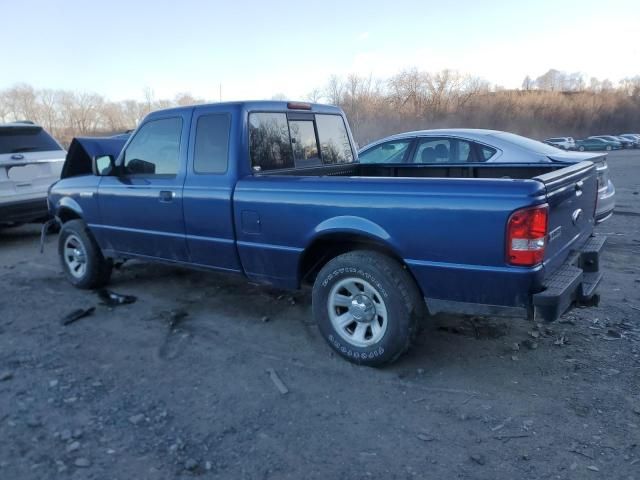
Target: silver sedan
465	146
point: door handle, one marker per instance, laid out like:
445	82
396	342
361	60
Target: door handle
166	196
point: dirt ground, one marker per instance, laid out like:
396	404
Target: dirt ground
176	384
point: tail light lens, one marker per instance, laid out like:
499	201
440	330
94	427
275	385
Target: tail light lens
527	236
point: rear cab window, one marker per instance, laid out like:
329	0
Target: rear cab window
27	138
287	140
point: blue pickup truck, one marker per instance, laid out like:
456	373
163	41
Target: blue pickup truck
274	191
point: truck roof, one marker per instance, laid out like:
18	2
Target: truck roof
262	105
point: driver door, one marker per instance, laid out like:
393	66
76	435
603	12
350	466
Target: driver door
141	206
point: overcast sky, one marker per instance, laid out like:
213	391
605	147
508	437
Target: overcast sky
257	49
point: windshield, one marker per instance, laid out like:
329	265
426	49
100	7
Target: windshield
26	139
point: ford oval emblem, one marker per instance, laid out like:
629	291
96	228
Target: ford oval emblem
576	216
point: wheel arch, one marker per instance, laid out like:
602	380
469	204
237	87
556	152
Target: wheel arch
68	209
341	235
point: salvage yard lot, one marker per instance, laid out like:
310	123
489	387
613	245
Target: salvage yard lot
176	384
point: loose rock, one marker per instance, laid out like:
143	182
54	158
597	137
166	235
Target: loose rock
136	419
479	459
82	462
72	447
6	375
191	464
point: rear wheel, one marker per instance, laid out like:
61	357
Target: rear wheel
81	258
581	148
367	307
608	148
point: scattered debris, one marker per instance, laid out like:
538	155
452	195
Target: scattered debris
425	438
506	438
113	299
277	381
53	383
611	333
534	334
479	459
6	375
501	426
515	347
560	341
77	315
593	468
191	464
265	319
175	317
530	344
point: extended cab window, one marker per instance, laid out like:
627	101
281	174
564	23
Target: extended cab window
303	141
269	143
155	149
334	140
212	143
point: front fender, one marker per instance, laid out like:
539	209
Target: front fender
67	203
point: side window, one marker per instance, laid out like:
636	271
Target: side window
334	140
464	151
212	143
388	152
269	144
303	142
433	150
155	149
486	152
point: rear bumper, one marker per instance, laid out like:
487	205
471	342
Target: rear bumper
574	282
23	211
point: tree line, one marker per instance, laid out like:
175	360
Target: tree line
555	104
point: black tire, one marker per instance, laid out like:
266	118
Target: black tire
399	295
98	269
608	148
581	148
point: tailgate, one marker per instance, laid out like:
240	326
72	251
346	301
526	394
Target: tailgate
571	194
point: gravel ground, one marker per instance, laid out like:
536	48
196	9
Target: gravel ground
177	384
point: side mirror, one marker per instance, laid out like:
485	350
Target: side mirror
104	165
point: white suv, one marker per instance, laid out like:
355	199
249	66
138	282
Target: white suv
566	143
30	161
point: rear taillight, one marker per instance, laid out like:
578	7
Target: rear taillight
527	235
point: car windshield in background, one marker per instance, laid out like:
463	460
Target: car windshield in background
526	143
26	139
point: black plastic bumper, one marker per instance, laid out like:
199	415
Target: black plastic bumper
24	211
575	282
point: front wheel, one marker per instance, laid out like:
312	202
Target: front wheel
581	148
608	148
367	307
82	261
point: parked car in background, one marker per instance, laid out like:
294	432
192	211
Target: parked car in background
566	143
30	161
597	144
624	143
466	147
635	138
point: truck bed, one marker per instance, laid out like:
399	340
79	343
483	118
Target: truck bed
489	170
